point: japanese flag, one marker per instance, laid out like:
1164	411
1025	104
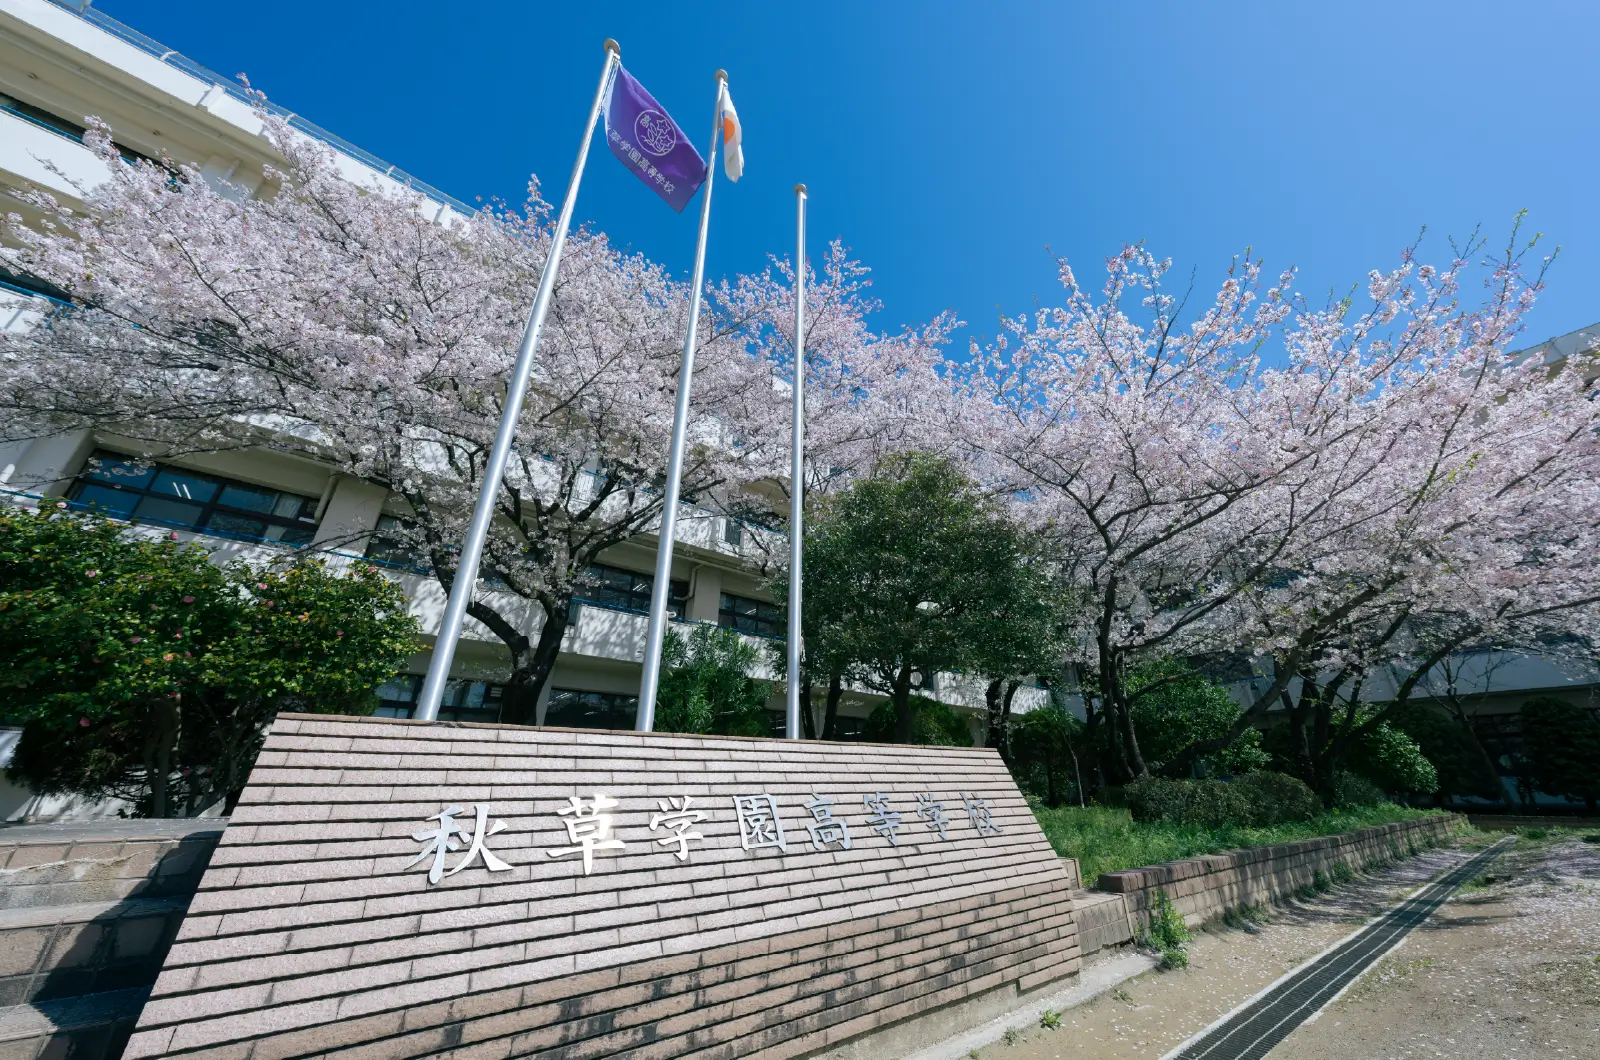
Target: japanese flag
732	140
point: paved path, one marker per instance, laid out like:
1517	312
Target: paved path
1251	1032
1508	970
1148	1016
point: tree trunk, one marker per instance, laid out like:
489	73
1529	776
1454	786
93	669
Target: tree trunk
158	747
991	702
900	696
808	718
1005	720
1077	774
1325	760
1132	759
1094	719
1299	742
530	669
830	712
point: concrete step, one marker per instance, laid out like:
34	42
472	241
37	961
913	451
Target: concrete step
88	911
102	861
92	1026
52	952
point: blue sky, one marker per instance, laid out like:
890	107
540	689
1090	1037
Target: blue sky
950	143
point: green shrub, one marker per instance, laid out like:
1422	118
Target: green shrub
932	723
1112	796
1351	790
1342	873
1174	705
1208	803
1394	761
1255	800
706	685
1276	798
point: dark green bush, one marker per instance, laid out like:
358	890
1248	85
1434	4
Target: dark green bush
1254	800
1112	796
1352	789
932	722
1209	803
1276	798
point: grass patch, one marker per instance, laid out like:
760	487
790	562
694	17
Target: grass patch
1104	839
1247	917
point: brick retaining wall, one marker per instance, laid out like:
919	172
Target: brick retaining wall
1205	888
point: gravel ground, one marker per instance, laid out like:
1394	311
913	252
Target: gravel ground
1509	969
1152	1013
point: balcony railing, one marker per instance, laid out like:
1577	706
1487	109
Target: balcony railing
166	55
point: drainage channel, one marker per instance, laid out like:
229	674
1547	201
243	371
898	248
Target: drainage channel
1251	1032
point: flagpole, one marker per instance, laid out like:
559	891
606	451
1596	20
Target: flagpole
466	576
797	479
650	678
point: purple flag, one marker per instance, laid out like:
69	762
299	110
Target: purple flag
644	138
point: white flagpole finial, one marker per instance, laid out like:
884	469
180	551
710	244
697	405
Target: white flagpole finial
799	189
721	75
613	47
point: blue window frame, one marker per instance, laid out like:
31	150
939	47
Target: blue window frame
571	708
126	488
751	616
462	700
628	590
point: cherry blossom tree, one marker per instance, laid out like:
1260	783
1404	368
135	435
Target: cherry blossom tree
1396	485
870	397
1466	516
335	322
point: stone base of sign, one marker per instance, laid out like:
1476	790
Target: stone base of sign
608	895
919	1032
1100	975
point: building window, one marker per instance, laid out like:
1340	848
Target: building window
751	616
392	545
570	708
732	532
59	125
156	493
849	728
462	700
626	590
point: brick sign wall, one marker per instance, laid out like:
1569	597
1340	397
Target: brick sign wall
602	895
